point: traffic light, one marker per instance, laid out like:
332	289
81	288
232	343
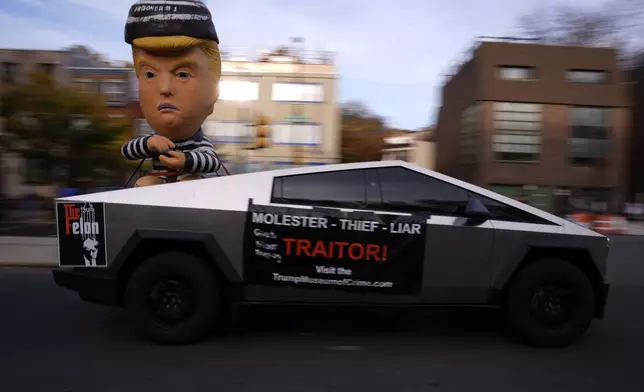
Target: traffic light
298	155
262	132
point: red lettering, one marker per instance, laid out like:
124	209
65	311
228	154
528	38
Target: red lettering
326	249
372	252
288	241
303	246
341	246
352	254
71	214
319	248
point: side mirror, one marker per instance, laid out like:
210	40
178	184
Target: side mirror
476	210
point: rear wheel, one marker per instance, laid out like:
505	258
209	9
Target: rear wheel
550	303
173	297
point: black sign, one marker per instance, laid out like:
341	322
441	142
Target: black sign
81	234
326	248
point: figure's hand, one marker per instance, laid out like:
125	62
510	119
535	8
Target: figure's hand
160	144
176	160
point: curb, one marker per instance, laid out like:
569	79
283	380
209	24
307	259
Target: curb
28	252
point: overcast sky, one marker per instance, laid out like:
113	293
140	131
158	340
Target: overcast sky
391	54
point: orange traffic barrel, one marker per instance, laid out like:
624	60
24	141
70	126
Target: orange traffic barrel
582	218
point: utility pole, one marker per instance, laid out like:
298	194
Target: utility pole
297	109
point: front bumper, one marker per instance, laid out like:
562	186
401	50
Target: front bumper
91	284
602	298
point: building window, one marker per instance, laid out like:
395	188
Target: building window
9	73
298	92
238	90
143	128
133	83
469	133
80	122
300	133
87	85
35	172
277	165
517	73
229	131
518	131
116	117
395	155
115	91
47	69
589	138
586	76
253	167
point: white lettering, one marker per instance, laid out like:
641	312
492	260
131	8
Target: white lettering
289	220
266	246
344	271
83	227
358	225
154	8
264	234
336	282
324	270
405	228
268	255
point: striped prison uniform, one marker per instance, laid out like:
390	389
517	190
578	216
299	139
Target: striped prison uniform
201	158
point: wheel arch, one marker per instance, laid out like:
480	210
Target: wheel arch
144	244
577	256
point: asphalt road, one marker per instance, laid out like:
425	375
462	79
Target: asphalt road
51	341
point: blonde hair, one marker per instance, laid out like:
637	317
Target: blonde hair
180	42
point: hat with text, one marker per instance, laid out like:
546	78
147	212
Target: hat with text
156	18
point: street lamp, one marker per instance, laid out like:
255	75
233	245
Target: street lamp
297	112
240	130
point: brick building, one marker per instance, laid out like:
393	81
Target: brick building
112	83
637	137
547	124
16	66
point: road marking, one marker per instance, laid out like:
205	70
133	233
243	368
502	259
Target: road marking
346	348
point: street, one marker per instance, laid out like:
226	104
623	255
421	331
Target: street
52	341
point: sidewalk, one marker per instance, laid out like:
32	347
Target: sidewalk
635	228
28	252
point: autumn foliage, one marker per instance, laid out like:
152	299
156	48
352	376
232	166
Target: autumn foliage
64	137
363	133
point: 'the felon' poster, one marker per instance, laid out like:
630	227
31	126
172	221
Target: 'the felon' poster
354	252
81	234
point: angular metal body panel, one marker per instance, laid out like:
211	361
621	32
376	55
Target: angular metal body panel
461	261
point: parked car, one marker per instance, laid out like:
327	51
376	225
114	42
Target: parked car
386	232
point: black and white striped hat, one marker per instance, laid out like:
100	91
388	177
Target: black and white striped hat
155	18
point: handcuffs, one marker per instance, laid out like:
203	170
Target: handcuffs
171	175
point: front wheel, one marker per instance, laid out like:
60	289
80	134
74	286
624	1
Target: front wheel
550	303
173	298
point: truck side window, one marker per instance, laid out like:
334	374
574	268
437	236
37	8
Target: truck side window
406	190
504	212
342	189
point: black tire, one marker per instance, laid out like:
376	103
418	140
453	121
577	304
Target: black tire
184	288
550	303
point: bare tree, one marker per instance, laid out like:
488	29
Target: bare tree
616	23
355	108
